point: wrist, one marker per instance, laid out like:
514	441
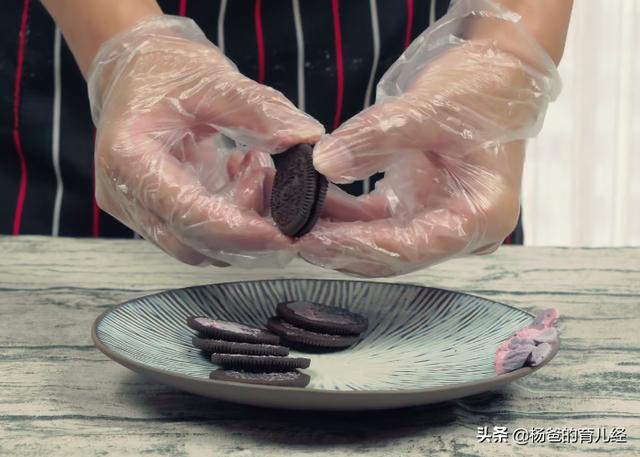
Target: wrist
545	21
87	24
136	49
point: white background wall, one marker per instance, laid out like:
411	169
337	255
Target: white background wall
582	177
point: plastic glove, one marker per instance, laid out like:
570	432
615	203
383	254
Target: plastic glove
531	345
162	97
447	129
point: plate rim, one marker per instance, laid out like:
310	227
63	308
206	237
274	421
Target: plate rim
128	362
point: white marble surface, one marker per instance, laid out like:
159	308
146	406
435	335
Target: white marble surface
60	396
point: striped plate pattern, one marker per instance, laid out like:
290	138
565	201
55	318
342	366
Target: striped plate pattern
418	337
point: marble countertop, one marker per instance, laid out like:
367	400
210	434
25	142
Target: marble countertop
61	396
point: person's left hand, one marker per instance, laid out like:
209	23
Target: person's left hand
448	134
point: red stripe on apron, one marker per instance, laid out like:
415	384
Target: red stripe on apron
257	15
407	39
183	8
22	191
335	8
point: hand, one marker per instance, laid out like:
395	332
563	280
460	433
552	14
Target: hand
448	131
161	97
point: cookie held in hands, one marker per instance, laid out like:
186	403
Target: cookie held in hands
298	191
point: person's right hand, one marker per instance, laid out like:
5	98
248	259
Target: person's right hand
162	96
448	129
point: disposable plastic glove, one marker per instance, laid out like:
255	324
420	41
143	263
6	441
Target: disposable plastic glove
531	345
162	97
447	129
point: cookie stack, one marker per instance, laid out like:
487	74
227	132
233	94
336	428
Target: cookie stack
247	354
308	325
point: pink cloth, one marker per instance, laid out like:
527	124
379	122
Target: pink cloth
531	345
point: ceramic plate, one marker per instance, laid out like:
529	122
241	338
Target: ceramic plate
423	345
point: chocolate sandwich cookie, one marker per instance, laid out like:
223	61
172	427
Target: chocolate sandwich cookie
260	363
293	334
322	318
280	378
298	191
232	347
231	331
